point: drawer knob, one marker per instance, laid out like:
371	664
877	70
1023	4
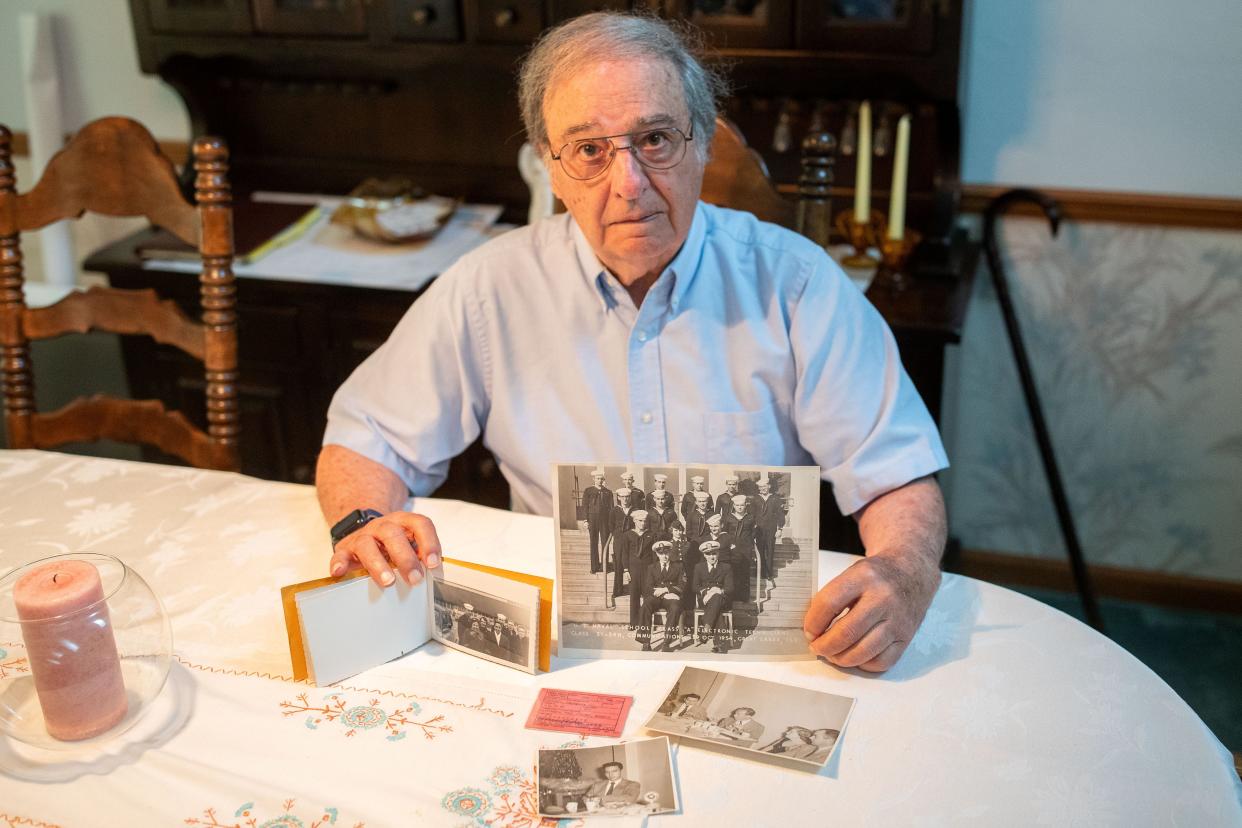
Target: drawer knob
504	18
423	15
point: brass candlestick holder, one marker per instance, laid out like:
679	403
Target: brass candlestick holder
860	236
893	273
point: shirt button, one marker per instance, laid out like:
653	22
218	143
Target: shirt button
642	336
646	417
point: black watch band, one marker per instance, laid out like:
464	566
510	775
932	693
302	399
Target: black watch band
352	522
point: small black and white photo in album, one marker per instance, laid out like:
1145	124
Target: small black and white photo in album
766	719
691	561
486	625
633	778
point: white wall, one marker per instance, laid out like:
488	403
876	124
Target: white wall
1132	95
99	68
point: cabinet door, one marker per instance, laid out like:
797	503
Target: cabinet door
322	18
740	24
200	16
899	26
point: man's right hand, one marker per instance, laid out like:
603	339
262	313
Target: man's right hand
404	541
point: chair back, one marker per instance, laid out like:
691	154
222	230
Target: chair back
114	167
736	177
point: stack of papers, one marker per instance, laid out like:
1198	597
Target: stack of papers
325	253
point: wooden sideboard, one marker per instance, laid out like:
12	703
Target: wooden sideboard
315	95
300	340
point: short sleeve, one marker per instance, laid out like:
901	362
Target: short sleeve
855	408
423	396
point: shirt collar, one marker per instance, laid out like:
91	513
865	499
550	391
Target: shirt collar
684	265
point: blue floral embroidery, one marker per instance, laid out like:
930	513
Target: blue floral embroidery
364	717
284	821
468	802
505	777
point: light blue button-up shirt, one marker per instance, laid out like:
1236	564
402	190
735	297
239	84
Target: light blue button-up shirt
751	348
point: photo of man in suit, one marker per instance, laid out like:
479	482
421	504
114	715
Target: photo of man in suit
689	706
664	584
614	787
741	726
713	588
498	642
597	505
769	518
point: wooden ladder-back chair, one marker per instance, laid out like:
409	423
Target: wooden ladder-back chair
114	167
736	177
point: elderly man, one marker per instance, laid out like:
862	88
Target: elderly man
698	334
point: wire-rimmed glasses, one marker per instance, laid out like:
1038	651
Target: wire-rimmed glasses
656	149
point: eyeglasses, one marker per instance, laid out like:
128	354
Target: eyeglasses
655	149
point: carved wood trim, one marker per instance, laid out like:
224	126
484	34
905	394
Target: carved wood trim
118	311
1123	208
129	421
1163	588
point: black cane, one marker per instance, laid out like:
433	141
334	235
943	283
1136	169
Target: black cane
1052	210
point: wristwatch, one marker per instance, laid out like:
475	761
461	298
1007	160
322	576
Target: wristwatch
352	522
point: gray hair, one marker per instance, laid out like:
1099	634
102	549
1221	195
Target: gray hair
616	36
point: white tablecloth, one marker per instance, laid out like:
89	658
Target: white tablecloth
1002	711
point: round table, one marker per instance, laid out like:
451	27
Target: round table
1002	711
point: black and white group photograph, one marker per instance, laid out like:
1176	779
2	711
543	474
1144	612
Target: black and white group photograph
633	778
486	625
692	561
768	720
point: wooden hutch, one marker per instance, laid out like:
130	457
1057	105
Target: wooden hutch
315	95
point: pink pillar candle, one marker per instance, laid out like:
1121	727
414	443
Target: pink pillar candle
71	649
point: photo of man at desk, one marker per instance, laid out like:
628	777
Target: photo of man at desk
645	325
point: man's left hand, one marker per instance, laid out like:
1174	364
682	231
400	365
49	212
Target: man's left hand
885	595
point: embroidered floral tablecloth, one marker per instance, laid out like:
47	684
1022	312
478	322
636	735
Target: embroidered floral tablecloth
1001	710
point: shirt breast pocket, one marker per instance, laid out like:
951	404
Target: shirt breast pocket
744	437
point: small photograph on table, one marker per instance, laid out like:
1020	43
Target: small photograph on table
629	779
763	719
685	561
486	625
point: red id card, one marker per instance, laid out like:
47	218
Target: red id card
576	711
